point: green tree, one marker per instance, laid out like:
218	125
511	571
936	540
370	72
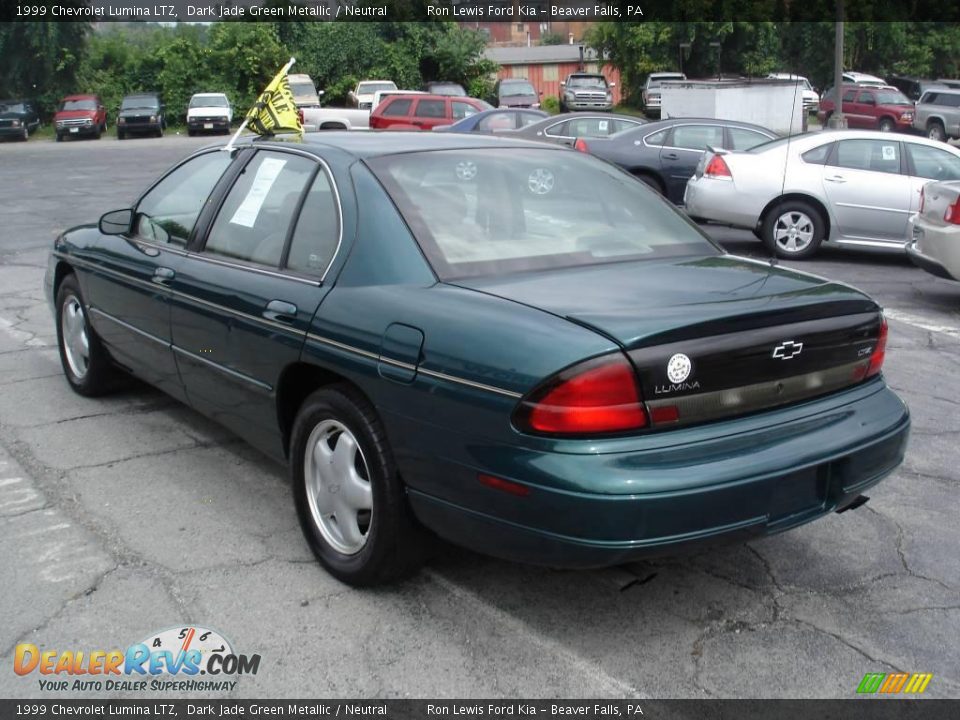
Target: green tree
40	59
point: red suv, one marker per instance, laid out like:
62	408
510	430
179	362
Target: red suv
870	108
423	112
80	115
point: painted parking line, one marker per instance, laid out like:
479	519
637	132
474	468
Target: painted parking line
922	323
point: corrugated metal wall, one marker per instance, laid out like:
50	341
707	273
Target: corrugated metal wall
548	76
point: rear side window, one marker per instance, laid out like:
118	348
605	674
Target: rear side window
318	230
743	139
397	108
431	109
697	137
253	222
819	155
930	97
590	127
494	122
657	139
849	95
168	212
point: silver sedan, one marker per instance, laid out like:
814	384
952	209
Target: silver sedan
935	231
855	188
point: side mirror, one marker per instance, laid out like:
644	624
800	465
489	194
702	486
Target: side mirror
116	222
321	92
611	85
563	83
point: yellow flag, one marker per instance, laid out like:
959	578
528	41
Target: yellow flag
274	110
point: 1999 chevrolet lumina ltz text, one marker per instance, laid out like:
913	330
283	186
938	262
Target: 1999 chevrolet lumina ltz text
516	347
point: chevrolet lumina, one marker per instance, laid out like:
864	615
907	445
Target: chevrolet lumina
512	346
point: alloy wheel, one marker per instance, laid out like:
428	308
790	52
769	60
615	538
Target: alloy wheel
793	231
338	487
76	344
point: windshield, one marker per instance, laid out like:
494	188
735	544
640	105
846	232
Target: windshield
78	105
451	89
508	210
658	81
209	101
301	89
892	97
516	88
131	103
12	106
371	88
587	81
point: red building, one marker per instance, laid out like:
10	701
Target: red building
546	66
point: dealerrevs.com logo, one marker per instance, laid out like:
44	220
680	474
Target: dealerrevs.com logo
181	659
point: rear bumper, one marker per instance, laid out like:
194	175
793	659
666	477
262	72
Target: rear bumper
724	481
720	201
928	263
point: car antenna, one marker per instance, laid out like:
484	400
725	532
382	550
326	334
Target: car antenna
774	261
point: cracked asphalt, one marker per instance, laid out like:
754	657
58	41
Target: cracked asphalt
128	515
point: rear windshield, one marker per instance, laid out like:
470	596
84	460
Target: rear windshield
508	210
78	105
209	101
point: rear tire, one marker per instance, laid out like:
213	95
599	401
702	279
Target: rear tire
120	135
350	500
59	137
86	363
650	182
935	131
793	230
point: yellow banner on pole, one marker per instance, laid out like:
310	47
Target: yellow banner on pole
275	110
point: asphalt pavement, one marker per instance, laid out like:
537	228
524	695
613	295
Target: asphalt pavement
124	516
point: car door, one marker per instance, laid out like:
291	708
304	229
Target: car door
243	298
679	156
128	286
866	109
850	108
868	190
926	163
429	113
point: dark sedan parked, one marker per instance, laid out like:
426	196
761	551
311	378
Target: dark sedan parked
665	154
518	347
566	128
141	113
494	121
18	118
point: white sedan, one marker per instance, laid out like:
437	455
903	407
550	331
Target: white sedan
855	188
935	231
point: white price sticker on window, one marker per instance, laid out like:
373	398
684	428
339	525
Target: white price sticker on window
889	152
246	214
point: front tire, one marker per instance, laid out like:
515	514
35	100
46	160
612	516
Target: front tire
86	364
935	131
886	125
793	230
349	497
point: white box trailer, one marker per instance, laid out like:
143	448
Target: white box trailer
773	104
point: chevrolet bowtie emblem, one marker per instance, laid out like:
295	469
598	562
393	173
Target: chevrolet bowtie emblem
787	350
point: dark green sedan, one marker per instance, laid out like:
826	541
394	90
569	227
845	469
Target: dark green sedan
513	346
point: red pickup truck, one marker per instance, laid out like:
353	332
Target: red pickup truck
80	115
870	108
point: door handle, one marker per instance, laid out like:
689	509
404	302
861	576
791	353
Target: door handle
163	275
671	156
836	179
280	311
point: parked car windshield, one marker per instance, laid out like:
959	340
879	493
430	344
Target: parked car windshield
586	81
12	106
451	89
131	103
499	211
516	88
299	89
209	101
78	105
371	88
658	81
892	97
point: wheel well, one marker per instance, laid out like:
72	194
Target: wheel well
637	172
296	383
935	121
824	215
887	117
62	270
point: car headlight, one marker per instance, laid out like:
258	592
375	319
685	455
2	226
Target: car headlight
225	118
153	118
121	121
535	105
15	123
59	123
907	116
88	121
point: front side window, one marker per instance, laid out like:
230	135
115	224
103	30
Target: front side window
502	211
462	110
169	210
933	163
253	222
697	137
873	155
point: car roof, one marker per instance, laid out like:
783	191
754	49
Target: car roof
375	144
670	122
943	89
818	137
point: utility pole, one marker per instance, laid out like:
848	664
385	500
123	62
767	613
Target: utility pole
837	120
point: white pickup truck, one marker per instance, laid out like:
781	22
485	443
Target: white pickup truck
331	118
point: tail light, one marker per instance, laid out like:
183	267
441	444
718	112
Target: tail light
879	351
717	167
952	215
596	397
581	145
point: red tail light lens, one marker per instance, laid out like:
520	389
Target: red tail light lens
952	215
880	351
596	397
717	167
581	145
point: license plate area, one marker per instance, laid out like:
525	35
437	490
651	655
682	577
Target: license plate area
208	126
73	130
799	492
